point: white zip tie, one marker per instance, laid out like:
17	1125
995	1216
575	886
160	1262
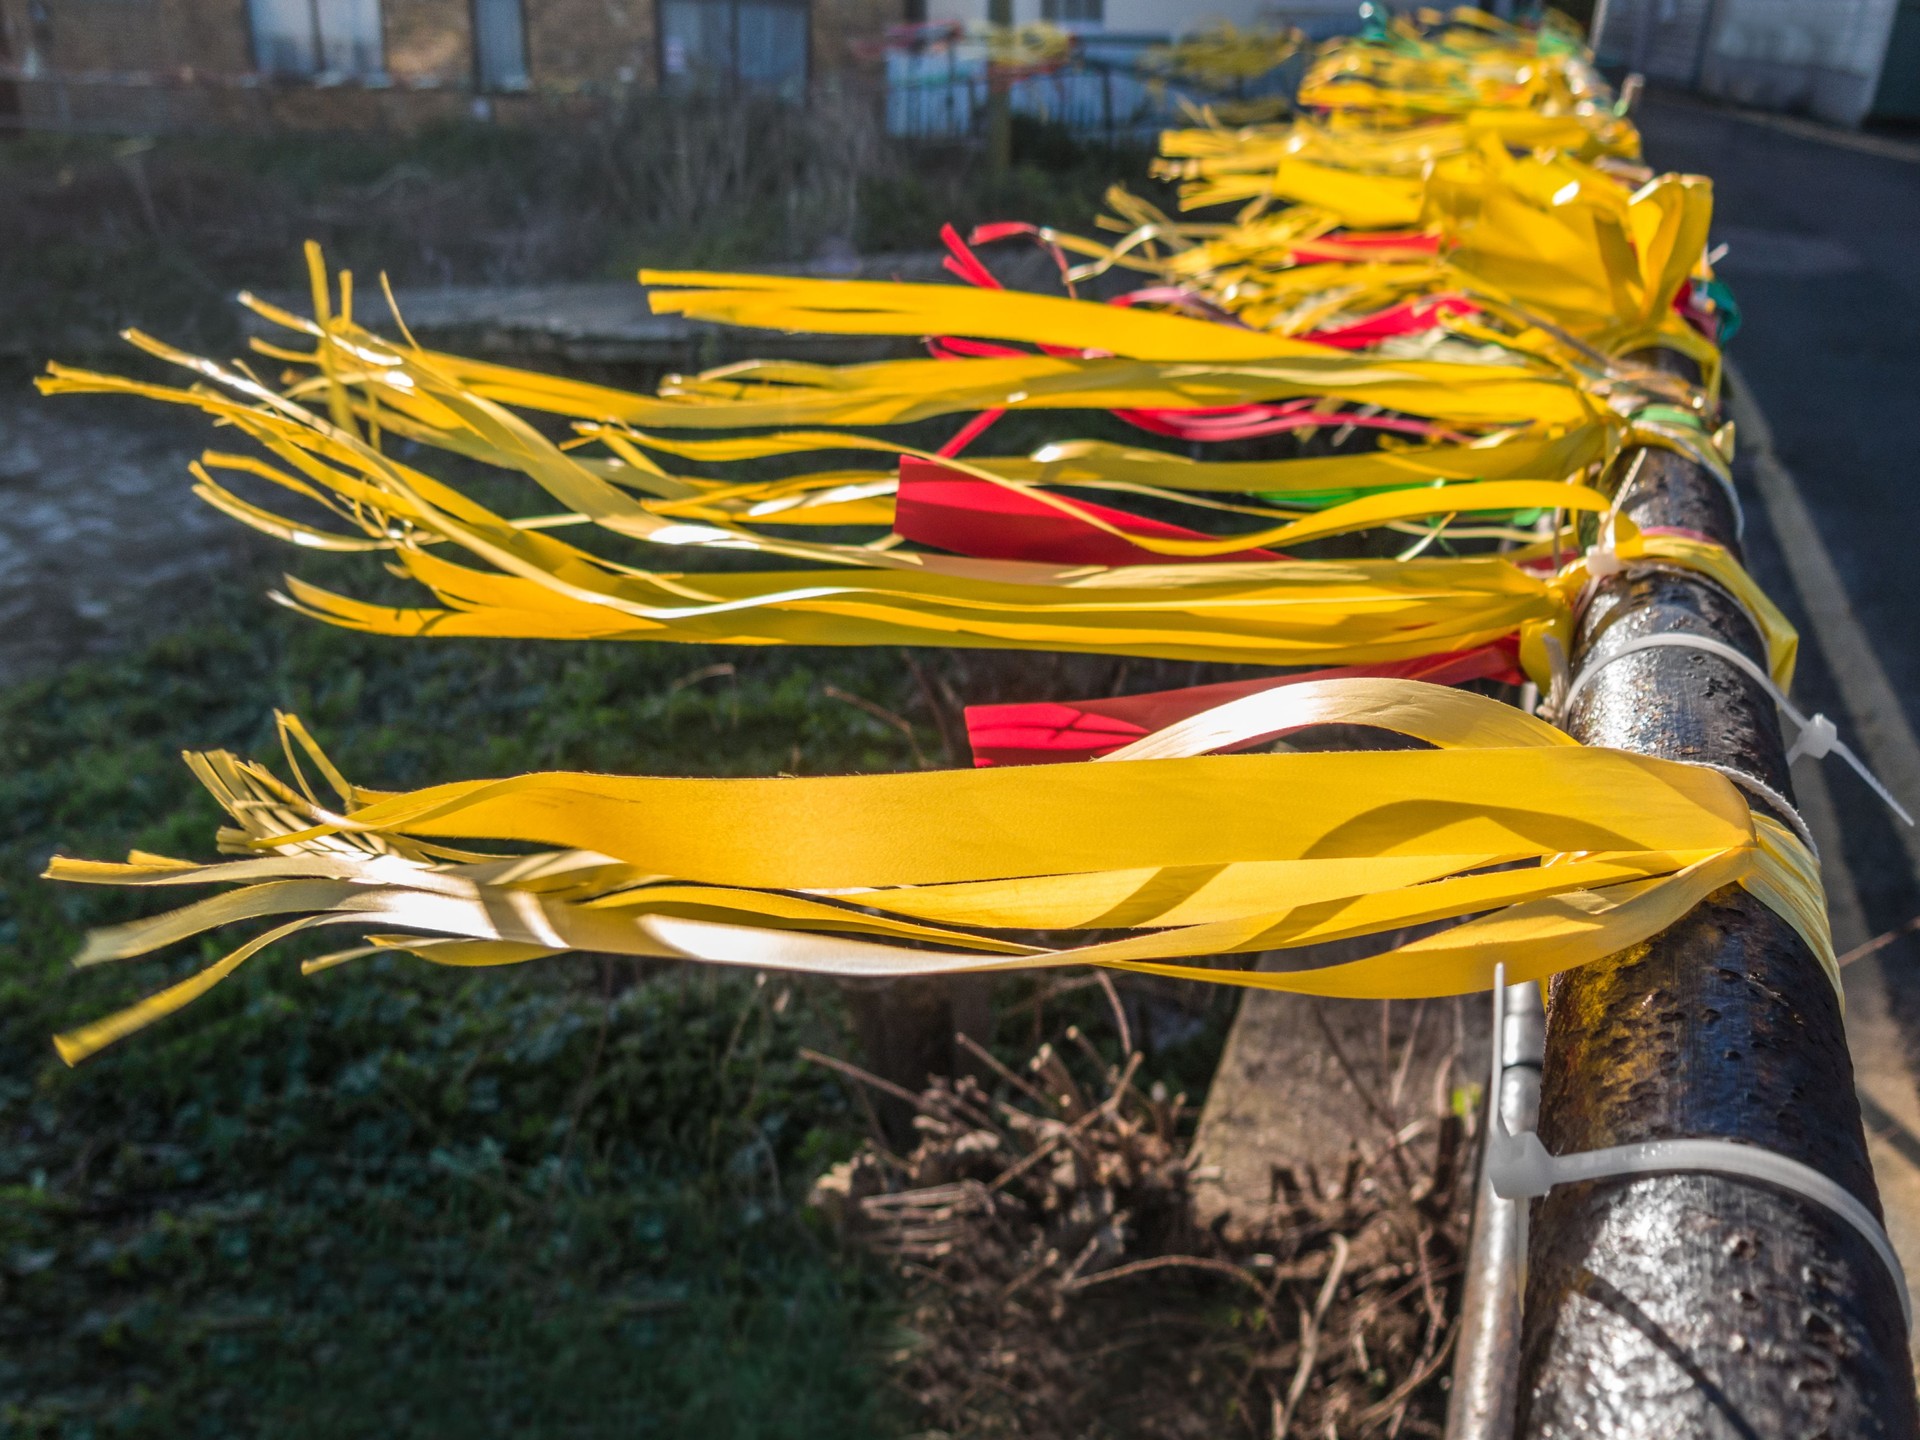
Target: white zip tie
1559	676
1603	556
1519	1167
1816	736
1603	560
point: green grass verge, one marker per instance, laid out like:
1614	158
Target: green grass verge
555	1200
558	1200
98	233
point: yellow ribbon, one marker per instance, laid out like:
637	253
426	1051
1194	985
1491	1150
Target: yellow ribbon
1583	853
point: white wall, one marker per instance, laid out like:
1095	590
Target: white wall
1818	55
1821	56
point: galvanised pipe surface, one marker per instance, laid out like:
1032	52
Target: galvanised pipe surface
1486	1369
1694	1304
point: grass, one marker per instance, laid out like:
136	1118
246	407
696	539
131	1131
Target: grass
559	1200
97	234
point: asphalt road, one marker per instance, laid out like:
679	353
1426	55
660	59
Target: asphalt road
1824	257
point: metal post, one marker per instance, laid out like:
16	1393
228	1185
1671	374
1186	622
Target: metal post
1696	1304
1486	1371
999	98
1597	28
1643	18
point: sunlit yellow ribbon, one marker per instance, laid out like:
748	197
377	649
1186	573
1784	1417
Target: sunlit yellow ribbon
1504	843
1539	854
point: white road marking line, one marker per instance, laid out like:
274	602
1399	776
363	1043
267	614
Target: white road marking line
1890	1099
1865	692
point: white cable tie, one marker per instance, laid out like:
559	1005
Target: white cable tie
1817	736
1603	557
1519	1167
1816	740
1553	706
1845	752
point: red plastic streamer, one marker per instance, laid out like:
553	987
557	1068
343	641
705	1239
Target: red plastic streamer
953	511
1409	317
1049	732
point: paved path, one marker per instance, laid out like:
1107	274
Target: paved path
608	322
101	540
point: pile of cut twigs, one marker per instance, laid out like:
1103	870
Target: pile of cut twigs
1063	1286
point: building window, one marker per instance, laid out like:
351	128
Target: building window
318	38
1073	12
499	45
728	46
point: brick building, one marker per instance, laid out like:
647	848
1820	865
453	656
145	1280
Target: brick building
158	65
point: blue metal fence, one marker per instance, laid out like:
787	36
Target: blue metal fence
1101	92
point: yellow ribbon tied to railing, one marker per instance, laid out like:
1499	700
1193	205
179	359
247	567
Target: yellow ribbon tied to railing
1505	844
1500	842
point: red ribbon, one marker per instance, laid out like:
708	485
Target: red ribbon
1049	732
953	511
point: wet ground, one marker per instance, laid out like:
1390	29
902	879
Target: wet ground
100	540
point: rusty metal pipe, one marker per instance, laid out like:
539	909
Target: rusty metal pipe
1697	1304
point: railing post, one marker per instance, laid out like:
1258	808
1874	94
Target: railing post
999	96
1697	1304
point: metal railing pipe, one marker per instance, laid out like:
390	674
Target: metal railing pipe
1486	1371
1700	1304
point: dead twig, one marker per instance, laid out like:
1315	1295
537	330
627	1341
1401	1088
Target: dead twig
1398	1395
1880	941
937	706
1119	1011
991	1061
867	1077
1043	1250
1360	1087
1237	1273
1310	1339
